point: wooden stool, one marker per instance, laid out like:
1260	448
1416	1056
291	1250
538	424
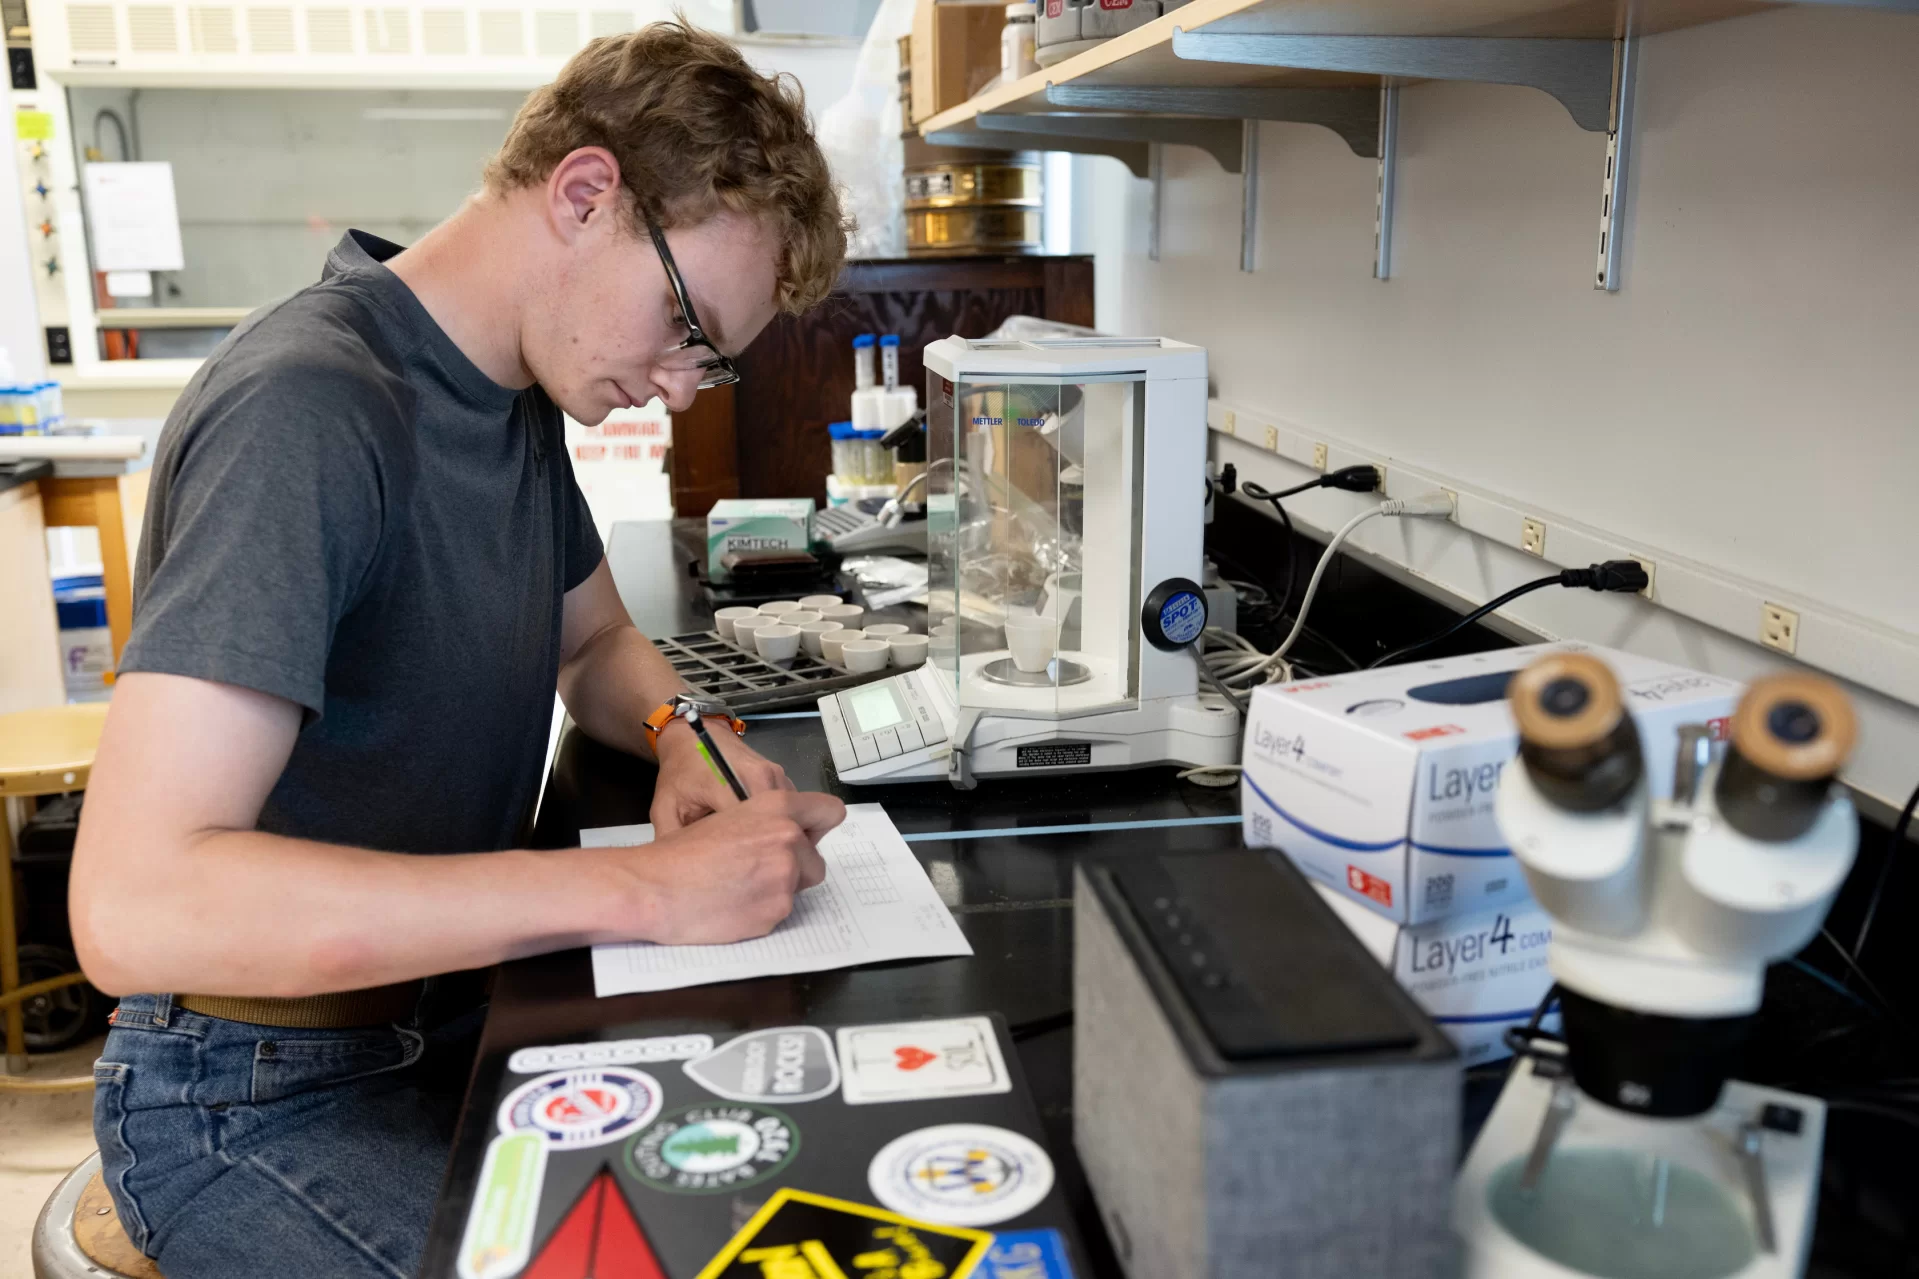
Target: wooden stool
42	752
78	1235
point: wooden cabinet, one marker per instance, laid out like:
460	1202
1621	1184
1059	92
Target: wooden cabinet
797	378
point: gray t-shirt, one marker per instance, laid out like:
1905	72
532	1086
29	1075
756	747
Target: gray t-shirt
346	513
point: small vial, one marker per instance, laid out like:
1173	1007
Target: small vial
890	362
863	361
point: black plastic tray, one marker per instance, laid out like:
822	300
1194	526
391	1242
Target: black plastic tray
715	667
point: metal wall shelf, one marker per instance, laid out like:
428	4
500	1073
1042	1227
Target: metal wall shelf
1177	80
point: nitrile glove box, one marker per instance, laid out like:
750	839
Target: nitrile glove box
1380	783
756	524
1475	975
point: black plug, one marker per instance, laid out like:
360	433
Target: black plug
1626	576
1354	479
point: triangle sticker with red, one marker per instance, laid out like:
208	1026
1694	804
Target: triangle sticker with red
598	1238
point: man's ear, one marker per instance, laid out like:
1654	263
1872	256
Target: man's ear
583	189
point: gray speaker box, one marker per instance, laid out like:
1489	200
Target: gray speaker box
1252	1093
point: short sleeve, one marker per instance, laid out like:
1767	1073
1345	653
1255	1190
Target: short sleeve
264	521
579	537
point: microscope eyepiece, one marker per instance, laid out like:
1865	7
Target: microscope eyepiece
1793	722
1577	742
1790	735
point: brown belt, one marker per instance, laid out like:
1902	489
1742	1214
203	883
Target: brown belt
373	1007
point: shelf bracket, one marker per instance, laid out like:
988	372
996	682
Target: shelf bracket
1351	113
1218	138
1612	212
1156	161
1579	73
1249	197
1131	154
1388	180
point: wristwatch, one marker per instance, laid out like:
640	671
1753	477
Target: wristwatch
676	707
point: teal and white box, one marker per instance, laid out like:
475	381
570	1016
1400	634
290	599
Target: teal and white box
1380	784
756	524
1476	975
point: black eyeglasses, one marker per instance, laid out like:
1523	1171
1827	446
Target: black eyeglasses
715	368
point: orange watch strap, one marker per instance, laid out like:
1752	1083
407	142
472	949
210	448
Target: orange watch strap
656	724
663	715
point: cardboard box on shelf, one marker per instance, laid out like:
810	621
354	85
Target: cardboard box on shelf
955	50
1380	783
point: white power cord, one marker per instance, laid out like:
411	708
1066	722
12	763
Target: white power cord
1272	668
1232	665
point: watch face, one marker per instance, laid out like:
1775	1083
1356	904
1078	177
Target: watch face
704	705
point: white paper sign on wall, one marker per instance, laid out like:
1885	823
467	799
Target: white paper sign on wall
133	222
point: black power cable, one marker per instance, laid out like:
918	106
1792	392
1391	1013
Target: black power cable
1613	575
1352	479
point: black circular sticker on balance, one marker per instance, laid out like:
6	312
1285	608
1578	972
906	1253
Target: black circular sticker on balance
706	1149
1174	614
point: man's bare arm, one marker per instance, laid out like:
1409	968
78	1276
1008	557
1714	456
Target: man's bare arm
174	890
612	678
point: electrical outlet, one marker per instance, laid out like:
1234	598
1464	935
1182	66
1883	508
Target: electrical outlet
1319	458
1272	439
1532	536
1779	628
1652	575
1227	422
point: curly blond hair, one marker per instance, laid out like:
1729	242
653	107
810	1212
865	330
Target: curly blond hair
695	130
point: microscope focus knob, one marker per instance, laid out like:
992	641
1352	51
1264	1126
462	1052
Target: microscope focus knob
1790	735
1578	743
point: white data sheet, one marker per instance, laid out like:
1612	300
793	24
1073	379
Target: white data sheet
875	904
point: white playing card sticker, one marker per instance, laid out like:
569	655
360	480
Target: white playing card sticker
918	1060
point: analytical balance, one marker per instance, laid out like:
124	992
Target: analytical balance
1626	1152
1065	496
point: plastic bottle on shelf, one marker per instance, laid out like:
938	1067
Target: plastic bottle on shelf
1017	41
19	401
50	407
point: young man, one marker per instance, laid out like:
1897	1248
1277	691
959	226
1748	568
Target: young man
364	568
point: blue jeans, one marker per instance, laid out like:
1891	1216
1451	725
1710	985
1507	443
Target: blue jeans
239	1150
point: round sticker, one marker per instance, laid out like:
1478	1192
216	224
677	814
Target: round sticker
1174	614
577	1108
699	1149
961	1175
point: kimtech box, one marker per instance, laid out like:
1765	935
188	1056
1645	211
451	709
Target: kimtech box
756	524
1381	783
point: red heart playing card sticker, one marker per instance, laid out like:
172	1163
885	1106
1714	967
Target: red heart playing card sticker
911	1058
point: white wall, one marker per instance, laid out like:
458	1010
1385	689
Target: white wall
1749	400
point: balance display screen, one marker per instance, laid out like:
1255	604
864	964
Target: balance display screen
875	707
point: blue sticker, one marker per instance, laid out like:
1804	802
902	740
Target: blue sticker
1026	1254
1182	618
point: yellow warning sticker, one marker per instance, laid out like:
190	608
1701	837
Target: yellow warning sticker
799	1235
33	126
